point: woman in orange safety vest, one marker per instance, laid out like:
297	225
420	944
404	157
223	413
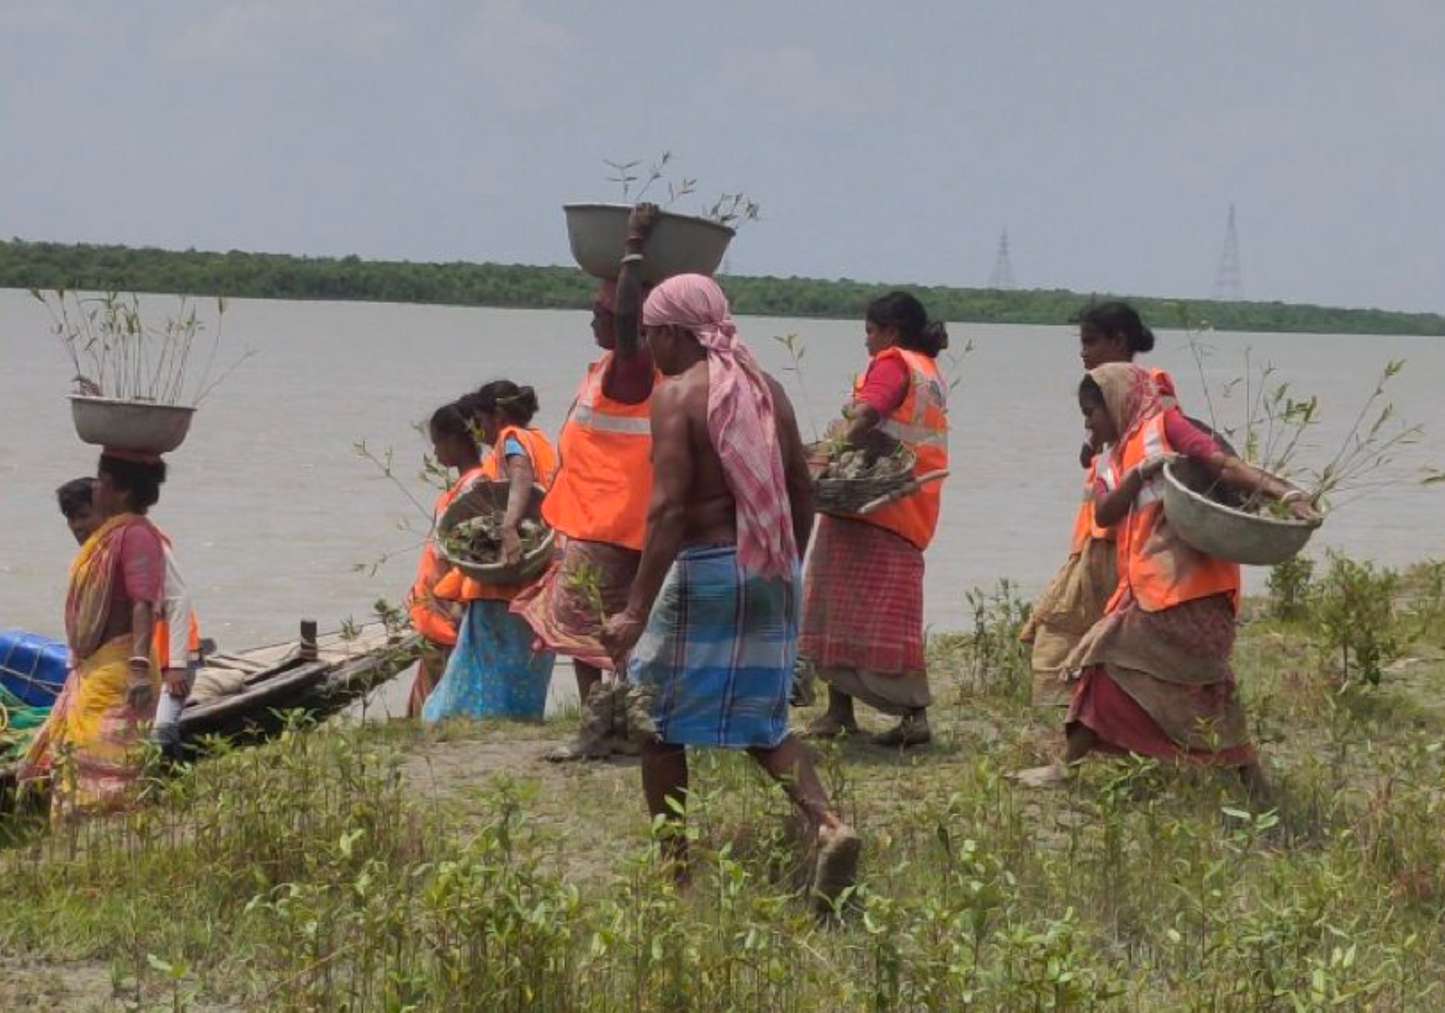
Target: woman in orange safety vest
1155	678
599	501
454	445
863	595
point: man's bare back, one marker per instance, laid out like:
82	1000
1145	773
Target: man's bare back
711	513
691	503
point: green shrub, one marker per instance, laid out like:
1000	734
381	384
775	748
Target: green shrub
1355	616
1290	586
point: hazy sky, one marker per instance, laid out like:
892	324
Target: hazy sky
884	141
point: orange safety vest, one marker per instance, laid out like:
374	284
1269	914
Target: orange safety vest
426	618
161	639
1155	565
605	483
1085	527
457	586
920	422
1101	467
161	631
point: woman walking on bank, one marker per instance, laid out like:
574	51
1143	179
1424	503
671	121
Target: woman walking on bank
454	447
493	672
1074	600
1155	675
863	596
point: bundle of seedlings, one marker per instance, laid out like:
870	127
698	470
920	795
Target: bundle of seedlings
1256	528
479	539
469	535
136	381
848	478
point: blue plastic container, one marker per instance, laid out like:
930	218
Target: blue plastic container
32	667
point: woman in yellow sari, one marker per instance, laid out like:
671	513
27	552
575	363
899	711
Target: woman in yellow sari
92	746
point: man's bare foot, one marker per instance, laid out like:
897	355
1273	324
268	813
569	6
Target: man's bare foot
829	727
836	868
1055	775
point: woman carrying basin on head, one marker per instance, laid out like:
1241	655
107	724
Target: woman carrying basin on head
91	747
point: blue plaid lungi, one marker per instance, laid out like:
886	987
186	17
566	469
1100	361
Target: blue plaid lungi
718	652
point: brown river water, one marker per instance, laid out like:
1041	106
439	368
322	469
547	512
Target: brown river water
272	511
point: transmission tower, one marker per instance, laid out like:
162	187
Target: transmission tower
1228	284
1003	269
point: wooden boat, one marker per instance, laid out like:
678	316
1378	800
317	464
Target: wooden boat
245	695
316	674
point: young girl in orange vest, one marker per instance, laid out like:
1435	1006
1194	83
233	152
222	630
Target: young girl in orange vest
863	596
1153	675
493	671
1075	598
454	445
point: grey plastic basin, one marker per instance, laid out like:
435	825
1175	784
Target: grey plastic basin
679	244
142	426
1223	531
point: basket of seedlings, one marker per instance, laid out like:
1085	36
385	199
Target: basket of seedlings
469	535
137	383
856	480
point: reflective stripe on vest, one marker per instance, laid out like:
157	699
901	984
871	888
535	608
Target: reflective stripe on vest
589	417
920	422
1085	526
604	486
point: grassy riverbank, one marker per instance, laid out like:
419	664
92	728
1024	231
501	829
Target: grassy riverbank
277	276
392	868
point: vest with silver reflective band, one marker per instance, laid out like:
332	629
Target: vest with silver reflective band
921	423
604	484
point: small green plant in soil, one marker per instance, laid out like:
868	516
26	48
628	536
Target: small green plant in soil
1355	617
1291	584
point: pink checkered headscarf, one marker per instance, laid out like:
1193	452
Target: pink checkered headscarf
740	421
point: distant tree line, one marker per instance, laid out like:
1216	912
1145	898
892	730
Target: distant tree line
278	276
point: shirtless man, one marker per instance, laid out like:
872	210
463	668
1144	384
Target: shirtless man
713	612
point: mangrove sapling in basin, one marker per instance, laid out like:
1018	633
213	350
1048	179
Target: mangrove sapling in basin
730	209
1277	425
116	353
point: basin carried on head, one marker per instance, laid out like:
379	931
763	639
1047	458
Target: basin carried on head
143	426
678	244
1223	531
